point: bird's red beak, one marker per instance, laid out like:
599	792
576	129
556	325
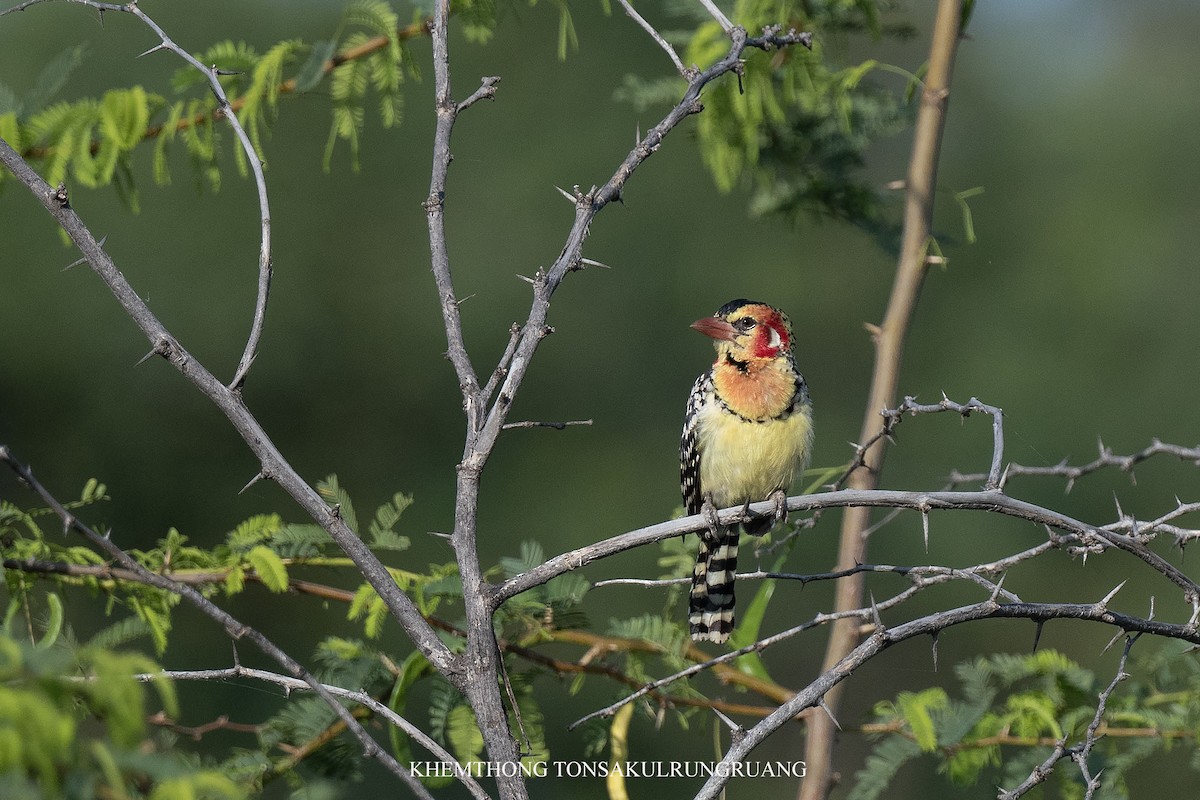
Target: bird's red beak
715	327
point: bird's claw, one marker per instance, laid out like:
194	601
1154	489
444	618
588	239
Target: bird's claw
712	534
779	497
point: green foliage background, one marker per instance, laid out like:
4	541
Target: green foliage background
1074	310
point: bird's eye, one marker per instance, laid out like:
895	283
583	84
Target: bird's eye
745	323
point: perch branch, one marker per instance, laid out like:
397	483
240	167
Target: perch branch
991	501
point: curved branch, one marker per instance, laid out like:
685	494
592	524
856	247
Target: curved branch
264	253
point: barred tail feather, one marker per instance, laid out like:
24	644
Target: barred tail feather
710	614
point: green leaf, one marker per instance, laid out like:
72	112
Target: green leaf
462	732
269	568
253	531
567	589
531	555
261	97
235	581
10	131
120	632
124	114
368	605
968	220
411	670
302	540
881	767
54	623
158	622
333	493
93	491
114	782
916	708
382	527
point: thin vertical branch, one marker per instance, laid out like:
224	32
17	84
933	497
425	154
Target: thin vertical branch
889	350
481	663
435	211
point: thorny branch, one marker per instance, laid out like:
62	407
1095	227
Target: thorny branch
1106	458
1079	534
1080	752
211	75
882	638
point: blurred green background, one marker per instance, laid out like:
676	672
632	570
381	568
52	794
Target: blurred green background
1075	311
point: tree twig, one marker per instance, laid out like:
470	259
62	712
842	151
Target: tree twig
1080	752
211	74
654	34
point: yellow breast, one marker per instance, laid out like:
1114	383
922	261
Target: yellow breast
744	461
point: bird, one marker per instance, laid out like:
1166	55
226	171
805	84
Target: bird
748	429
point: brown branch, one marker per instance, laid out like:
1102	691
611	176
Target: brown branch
197	732
889	348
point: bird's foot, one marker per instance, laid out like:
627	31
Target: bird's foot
779	498
712	534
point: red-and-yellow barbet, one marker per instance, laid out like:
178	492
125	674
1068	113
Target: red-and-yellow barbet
747	432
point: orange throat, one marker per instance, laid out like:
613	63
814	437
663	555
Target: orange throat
762	391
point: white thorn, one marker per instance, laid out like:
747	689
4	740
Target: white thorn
1103	604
